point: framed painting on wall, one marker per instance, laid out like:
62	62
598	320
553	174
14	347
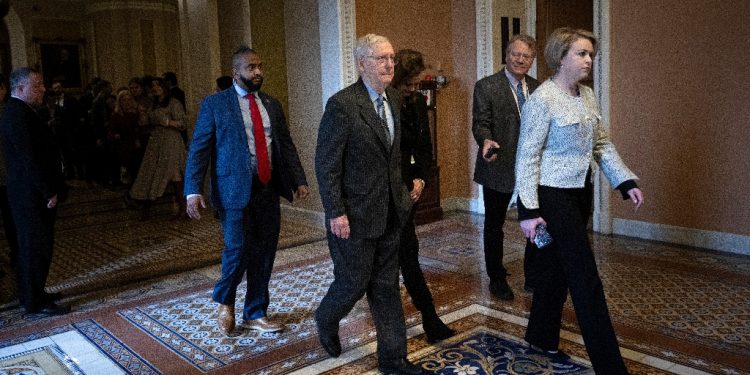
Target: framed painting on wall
61	61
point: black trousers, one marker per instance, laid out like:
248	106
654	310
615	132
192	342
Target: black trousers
569	265
367	266
408	259
495	211
35	225
9	226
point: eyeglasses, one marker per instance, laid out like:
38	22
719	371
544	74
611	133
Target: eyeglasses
519	55
382	59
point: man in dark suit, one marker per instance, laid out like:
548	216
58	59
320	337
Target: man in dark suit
498	100
175	90
66	121
35	185
357	164
243	133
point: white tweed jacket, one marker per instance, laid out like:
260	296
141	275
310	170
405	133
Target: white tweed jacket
561	136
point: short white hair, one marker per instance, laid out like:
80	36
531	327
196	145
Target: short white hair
366	44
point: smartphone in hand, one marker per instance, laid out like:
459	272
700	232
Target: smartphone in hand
543	238
491	151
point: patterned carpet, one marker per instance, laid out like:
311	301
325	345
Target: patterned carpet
99	244
676	310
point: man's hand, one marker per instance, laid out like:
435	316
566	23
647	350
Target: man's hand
194	204
302	192
416	192
52	202
636	195
340	227
488	144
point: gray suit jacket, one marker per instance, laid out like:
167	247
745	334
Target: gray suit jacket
358	172
495	116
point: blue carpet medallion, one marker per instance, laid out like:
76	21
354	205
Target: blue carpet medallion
484	351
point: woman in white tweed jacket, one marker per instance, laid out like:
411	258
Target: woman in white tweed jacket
561	136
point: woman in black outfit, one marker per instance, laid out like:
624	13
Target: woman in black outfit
416	158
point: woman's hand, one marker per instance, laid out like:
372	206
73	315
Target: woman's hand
529	227
636	195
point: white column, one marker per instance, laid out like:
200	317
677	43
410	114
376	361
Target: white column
337	37
602	217
201	58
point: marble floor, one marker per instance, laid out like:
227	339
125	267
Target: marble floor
676	310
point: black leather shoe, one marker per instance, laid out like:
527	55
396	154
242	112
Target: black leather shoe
434	328
557	356
51	309
53	297
402	366
500	289
329	341
439	334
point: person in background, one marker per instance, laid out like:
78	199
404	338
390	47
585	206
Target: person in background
84	136
177	93
496	119
174	90
143	104
561	136
416	160
164	158
140	96
9	225
100	159
35	186
122	133
358	165
223	83
66	122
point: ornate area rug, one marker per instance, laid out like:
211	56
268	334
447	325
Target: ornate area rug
81	348
100	244
44	360
676	310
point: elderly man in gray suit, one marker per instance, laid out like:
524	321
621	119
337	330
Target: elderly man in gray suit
498	100
357	164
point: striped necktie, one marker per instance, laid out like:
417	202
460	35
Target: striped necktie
384	120
521	97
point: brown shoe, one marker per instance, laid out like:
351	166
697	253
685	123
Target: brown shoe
225	319
263	325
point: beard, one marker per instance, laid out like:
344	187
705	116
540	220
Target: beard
251	86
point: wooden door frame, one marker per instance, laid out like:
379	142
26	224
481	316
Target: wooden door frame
602	217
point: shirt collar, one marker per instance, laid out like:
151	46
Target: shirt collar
242	92
374	94
512	78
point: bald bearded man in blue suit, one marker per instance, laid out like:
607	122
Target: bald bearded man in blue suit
244	194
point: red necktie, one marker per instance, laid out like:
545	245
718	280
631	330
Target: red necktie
261	150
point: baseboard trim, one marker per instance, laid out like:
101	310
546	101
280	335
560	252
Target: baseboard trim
728	242
313	218
462	204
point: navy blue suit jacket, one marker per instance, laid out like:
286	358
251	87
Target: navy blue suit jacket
220	138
